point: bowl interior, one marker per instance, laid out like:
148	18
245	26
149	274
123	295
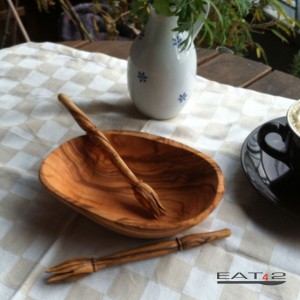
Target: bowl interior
188	183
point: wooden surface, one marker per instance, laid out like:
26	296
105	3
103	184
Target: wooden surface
189	183
3	13
221	67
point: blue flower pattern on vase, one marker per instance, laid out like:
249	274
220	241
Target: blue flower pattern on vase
182	97
142	76
177	40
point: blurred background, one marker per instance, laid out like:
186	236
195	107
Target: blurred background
55	21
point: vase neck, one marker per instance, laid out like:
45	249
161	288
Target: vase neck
159	22
162	22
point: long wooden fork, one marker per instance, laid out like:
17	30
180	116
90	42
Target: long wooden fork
142	191
75	269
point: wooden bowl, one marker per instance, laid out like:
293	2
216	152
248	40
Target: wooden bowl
189	183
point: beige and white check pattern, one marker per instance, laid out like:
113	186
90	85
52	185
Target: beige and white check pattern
37	231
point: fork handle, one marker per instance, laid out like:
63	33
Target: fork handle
90	128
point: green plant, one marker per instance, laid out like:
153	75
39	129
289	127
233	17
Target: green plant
187	12
295	68
243	18
230	23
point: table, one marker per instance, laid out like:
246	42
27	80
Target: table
37	231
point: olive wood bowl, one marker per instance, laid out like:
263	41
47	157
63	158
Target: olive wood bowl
189	183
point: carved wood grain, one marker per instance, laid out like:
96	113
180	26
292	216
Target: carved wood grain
189	183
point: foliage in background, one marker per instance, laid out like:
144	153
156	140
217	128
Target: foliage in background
242	21
230	23
187	12
295	69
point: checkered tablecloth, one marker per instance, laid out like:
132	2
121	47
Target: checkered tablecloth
37	231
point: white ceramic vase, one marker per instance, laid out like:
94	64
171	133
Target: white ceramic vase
160	74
